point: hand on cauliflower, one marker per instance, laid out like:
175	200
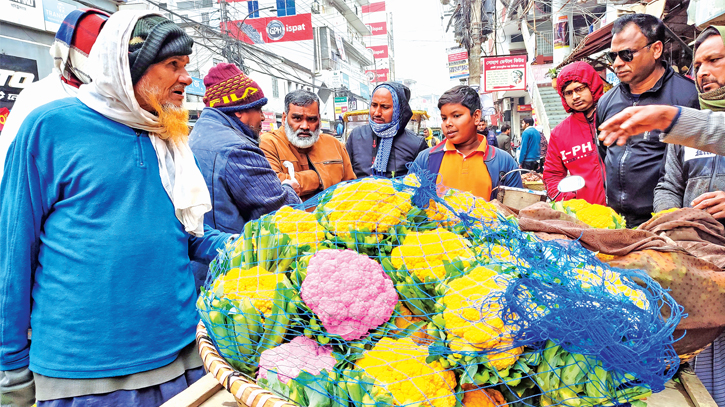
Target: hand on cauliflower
349	292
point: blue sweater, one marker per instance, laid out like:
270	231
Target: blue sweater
530	148
92	252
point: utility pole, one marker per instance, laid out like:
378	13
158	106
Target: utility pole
474	54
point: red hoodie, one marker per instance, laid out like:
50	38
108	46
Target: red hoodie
573	145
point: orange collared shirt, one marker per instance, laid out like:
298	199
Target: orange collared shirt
467	173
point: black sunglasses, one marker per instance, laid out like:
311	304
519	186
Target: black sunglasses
626	55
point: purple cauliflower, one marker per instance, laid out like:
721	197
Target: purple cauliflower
301	354
349	292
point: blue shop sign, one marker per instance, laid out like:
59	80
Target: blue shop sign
196	88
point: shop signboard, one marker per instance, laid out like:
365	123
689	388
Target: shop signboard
379	51
377	75
374	7
524	108
28	13
196	88
54	11
15	75
270	121
269	30
364	90
340	47
504	73
345	80
379	28
457	63
340	105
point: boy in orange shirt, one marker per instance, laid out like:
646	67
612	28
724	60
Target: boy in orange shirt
464	161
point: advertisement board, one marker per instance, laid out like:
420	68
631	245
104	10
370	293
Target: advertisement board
197	87
504	73
340	105
54	11
374	7
270	121
380	28
15	74
340	47
457	63
379	51
28	13
377	75
269	30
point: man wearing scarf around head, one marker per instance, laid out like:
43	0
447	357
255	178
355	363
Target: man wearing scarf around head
694	178
73	42
102	212
384	147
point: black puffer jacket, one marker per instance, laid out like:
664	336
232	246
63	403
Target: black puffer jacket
362	144
634	169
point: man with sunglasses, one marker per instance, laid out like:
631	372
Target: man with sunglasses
633	169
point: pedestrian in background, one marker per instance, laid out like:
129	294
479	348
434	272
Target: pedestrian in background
504	139
530	145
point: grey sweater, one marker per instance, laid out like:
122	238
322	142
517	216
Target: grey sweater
700	129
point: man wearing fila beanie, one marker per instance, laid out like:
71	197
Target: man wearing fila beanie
225	141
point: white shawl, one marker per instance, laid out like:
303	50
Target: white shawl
111	94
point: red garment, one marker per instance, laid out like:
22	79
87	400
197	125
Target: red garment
572	146
573	149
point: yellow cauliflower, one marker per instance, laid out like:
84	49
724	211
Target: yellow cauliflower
372	205
255	283
462	202
472	316
302	227
596	276
399	367
596	216
423	253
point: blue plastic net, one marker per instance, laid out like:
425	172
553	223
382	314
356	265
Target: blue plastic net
387	292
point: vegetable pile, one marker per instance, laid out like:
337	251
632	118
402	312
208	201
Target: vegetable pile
388	293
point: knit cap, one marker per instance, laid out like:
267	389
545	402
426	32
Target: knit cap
230	90
155	38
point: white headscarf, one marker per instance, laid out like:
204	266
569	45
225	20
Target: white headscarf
111	94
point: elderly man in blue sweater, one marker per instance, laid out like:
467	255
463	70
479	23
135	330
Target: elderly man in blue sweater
102	212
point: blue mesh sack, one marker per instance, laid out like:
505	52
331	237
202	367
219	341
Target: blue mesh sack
383	292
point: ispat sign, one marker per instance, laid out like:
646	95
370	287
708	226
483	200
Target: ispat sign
379	51
15	75
267	30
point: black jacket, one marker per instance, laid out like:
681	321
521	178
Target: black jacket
362	145
633	170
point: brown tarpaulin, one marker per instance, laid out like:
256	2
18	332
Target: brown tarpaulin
683	251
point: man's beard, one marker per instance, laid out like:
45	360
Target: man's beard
708	80
174	119
299	142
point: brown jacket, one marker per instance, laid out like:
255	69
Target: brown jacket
329	159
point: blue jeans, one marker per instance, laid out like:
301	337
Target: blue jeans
147	397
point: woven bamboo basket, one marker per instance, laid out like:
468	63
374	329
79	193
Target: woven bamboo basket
244	389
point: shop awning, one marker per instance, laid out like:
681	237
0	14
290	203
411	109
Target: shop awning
596	41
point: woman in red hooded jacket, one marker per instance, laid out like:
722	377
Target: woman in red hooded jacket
573	143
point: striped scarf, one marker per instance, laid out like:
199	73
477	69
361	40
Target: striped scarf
386	132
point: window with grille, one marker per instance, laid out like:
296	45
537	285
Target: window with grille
205	18
275	88
286	8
